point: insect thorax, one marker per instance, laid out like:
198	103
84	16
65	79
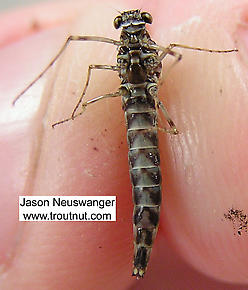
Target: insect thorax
136	60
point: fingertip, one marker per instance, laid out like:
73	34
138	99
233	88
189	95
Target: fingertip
200	94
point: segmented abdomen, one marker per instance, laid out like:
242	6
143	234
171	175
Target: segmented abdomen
144	160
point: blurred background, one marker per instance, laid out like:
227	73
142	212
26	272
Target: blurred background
8	4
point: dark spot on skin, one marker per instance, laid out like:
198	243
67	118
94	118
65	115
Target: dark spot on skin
35	25
91	139
95	149
239	220
221	91
120	144
105	130
99	247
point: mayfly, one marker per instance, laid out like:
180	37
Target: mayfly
139	66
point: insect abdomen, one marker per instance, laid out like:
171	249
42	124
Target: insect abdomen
144	160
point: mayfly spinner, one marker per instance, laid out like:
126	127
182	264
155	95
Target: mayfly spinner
139	66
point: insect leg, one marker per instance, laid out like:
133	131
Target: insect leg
168	50
85	105
91	67
178	57
173	130
69	39
153	92
173	45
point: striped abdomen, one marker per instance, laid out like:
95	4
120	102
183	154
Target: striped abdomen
141	119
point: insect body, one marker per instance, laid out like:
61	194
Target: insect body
139	71
139	66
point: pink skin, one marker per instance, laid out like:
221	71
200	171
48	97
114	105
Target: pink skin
205	166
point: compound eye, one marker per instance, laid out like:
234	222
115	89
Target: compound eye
147	17
117	22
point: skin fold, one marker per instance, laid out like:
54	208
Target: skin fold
204	167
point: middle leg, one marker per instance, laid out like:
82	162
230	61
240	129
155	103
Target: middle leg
90	68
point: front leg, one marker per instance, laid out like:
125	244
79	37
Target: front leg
68	41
